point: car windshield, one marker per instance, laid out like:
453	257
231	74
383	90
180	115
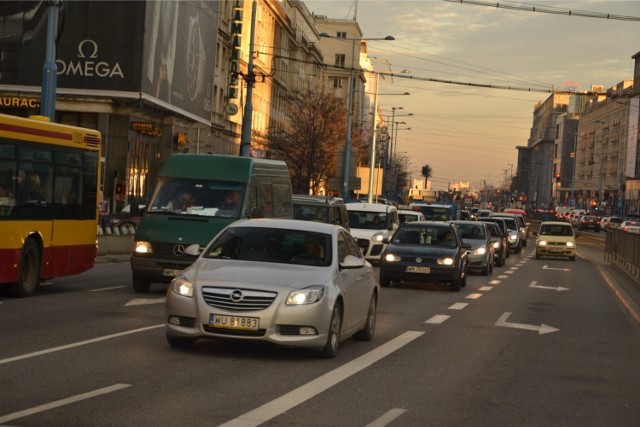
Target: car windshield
368	220
472	231
425	235
281	246
511	224
311	212
200	197
556	230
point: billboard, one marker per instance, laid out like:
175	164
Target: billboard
162	49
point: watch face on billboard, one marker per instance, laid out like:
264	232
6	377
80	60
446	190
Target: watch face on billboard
178	69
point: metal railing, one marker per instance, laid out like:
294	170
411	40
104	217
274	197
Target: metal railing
623	249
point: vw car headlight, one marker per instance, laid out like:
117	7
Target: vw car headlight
513	237
445	261
306	296
480	250
392	257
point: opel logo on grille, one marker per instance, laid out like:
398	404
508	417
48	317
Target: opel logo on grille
418	260
236	295
178	250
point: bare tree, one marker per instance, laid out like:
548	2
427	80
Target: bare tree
317	125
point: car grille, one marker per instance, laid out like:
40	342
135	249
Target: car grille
233	299
412	259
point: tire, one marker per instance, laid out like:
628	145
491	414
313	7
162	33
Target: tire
330	349
519	248
463	283
385	282
485	270
140	285
180	342
366	333
572	258
456	284
28	271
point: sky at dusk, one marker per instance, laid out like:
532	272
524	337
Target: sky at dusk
470	133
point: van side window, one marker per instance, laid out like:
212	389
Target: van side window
281	198
266	200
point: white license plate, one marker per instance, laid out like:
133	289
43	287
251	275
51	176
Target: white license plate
172	272
234	322
418	269
555	250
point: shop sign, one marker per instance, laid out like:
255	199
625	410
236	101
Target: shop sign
236	45
19	102
146	128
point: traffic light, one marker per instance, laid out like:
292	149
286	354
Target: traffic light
557	177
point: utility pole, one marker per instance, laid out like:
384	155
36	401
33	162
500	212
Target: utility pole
50	69
250	78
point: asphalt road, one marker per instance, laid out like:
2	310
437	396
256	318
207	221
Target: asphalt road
538	343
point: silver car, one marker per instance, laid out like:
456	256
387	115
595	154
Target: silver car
288	282
481	252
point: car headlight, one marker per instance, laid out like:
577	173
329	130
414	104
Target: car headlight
445	261
480	250
496	244
392	257
542	243
377	237
306	296
570	244
143	247
513	237
182	286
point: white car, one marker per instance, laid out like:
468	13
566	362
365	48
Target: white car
631	226
405	215
289	282
370	224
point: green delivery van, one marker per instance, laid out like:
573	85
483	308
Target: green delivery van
197	195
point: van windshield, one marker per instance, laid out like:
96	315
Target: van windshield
368	220
185	196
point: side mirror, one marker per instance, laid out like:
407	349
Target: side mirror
193	249
351	261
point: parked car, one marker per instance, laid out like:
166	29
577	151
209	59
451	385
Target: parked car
370	224
330	210
426	251
481	251
405	215
609	223
589	222
288	282
631	226
556	239
500	243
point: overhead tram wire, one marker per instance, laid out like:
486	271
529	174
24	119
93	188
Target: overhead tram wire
547	9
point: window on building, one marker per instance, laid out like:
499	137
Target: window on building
337	83
341	34
340	59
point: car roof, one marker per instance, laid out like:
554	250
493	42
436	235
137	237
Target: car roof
290	224
555	223
372	207
316	200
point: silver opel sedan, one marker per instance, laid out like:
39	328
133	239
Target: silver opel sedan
289	282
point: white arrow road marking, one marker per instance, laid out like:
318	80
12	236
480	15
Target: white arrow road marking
546	267
62	402
145	301
559	288
542	329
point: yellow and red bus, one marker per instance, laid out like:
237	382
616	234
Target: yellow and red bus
49	194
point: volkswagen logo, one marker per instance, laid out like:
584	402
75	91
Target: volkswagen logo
418	260
236	295
178	250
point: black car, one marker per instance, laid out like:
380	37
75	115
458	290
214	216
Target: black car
425	251
500	242
589	222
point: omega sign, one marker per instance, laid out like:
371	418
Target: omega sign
87	64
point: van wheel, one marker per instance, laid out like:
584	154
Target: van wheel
139	284
28	271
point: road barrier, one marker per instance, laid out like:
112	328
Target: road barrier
623	249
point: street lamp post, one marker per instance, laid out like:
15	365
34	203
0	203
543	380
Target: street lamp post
250	78
347	148
600	195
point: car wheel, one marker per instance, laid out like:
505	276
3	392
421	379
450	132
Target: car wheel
139	284
572	258
456	284
330	349
463	283
180	342
524	242
519	248
28	271
366	333
385	282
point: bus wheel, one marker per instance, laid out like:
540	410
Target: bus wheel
140	285
28	270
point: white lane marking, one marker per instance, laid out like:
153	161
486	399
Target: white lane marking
542	329
473	296
546	267
502	276
558	288
78	344
520	264
438	319
512	269
303	393
495	282
485	288
458	306
145	301
62	402
509	272
106	289
387	418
